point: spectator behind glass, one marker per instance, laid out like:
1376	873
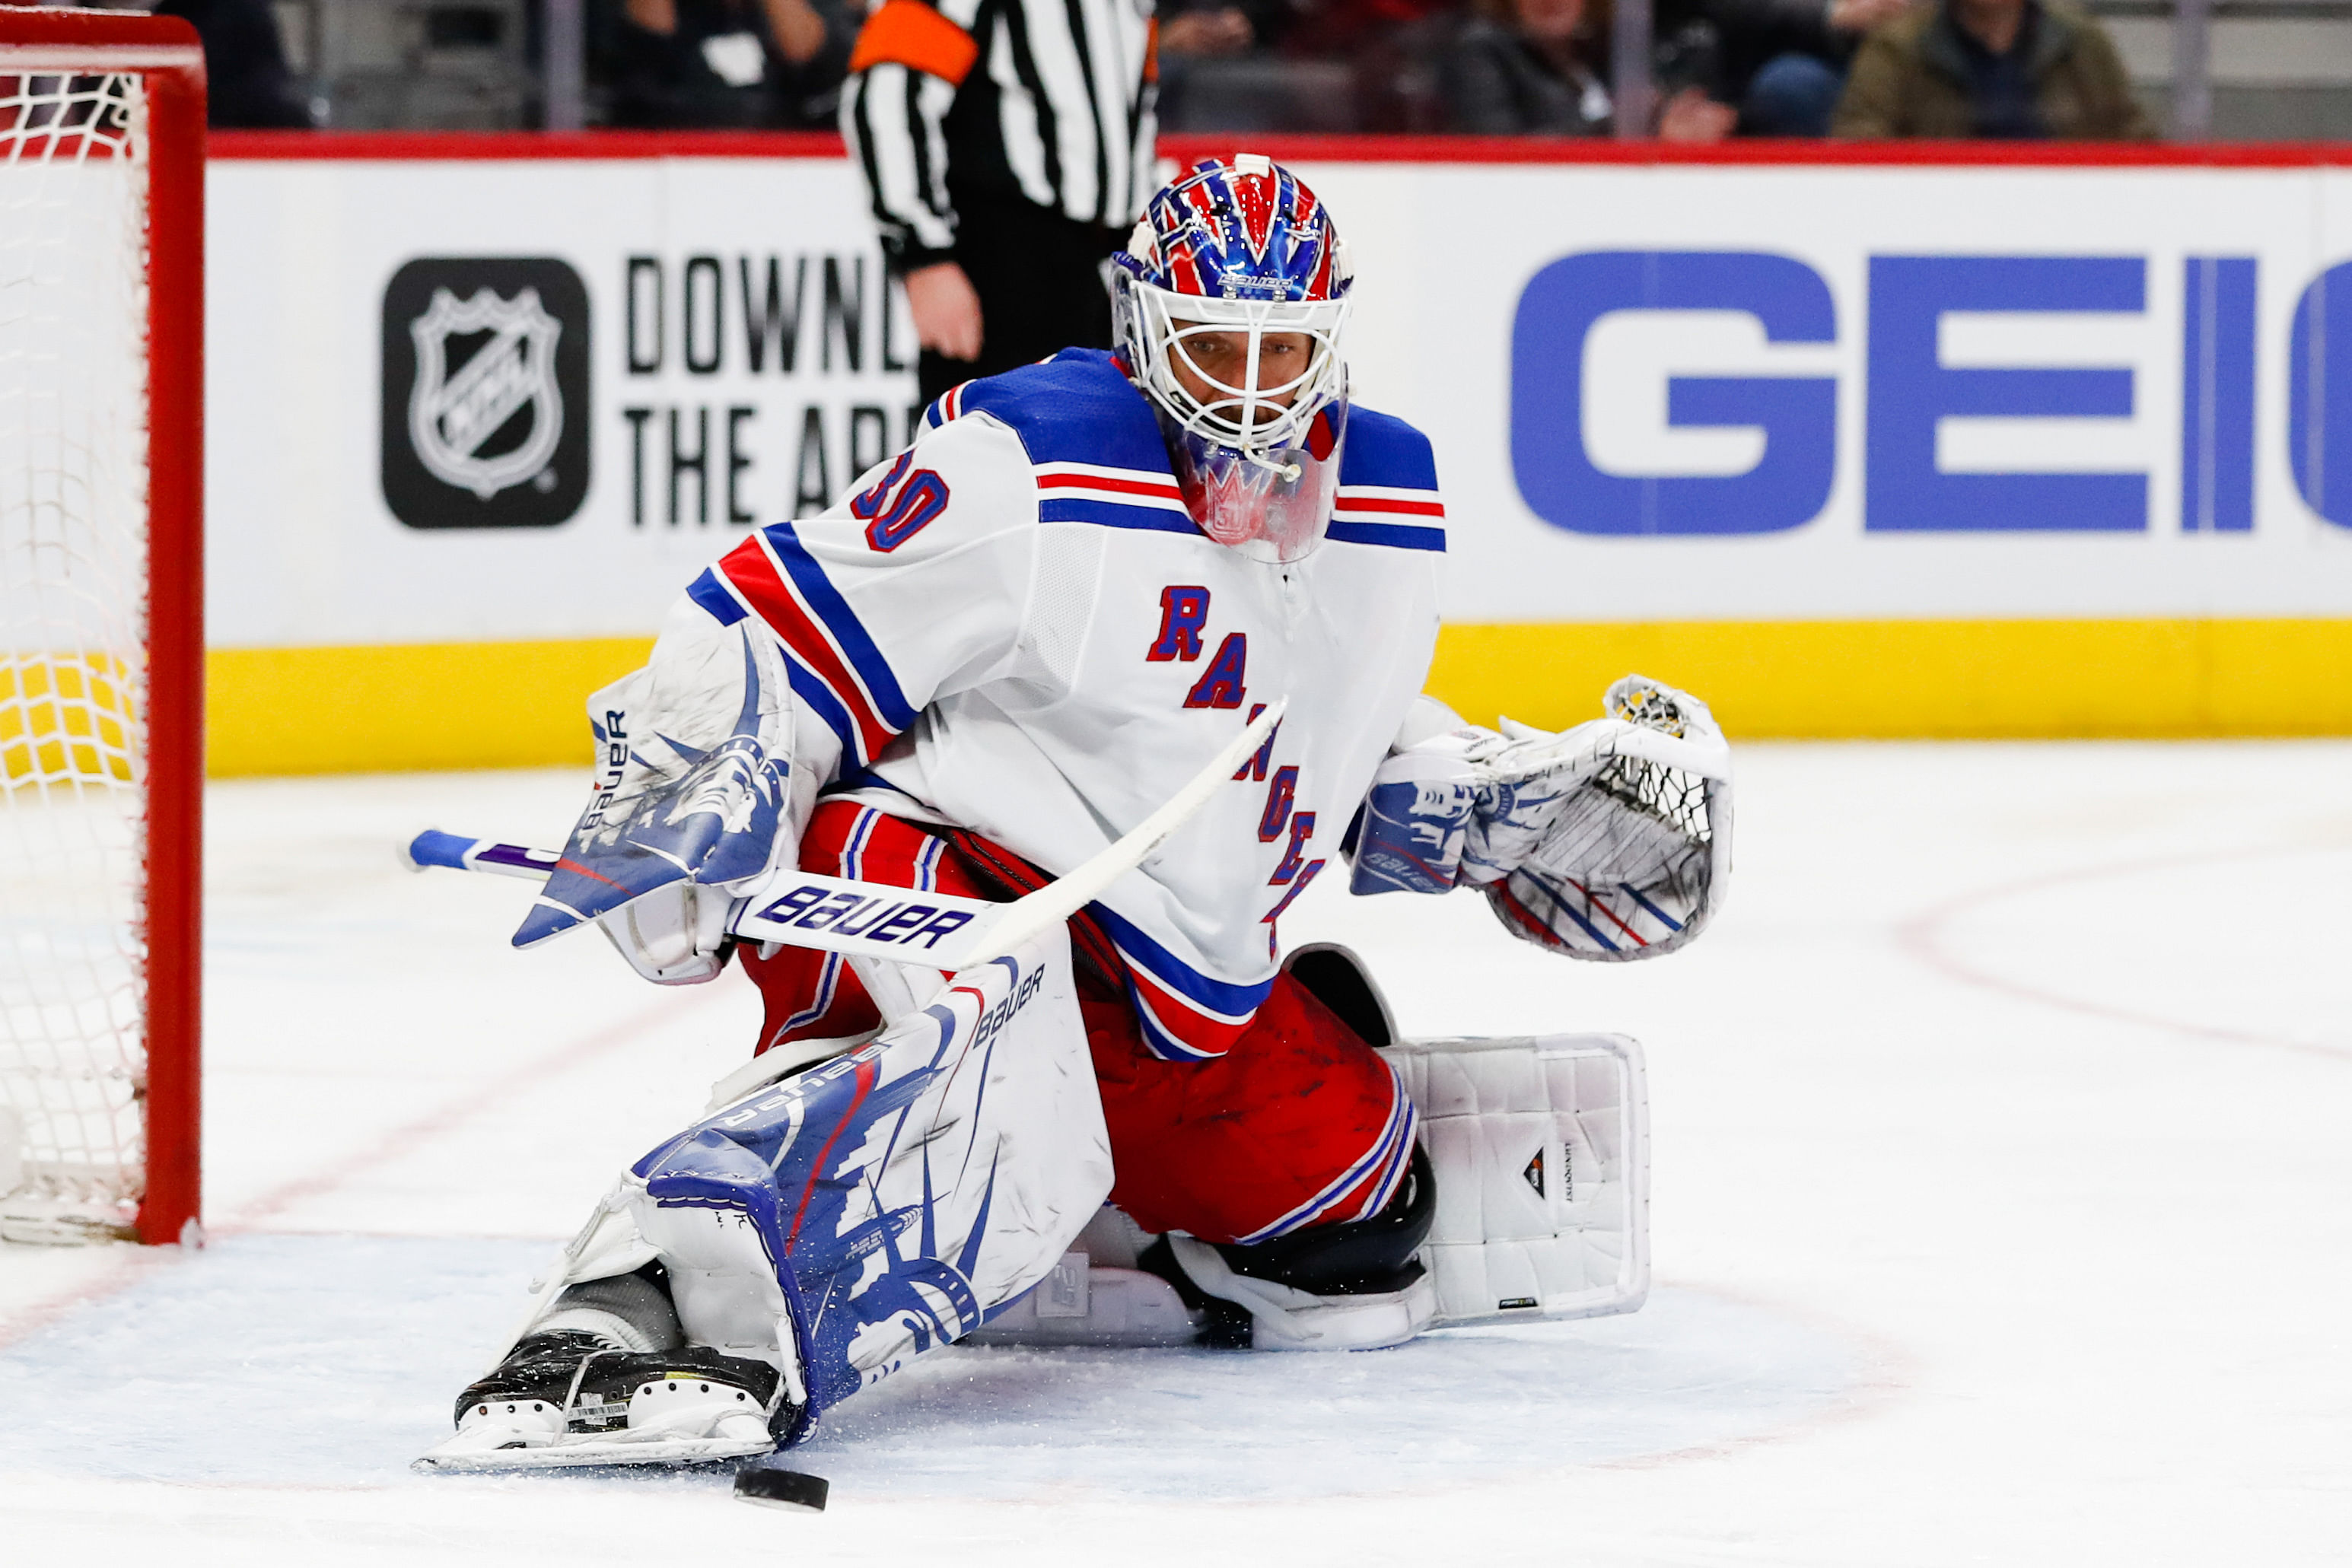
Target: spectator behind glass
730	64
1211	28
1991	69
1386	46
1527	68
1785	60
1532	68
246	84
1769	68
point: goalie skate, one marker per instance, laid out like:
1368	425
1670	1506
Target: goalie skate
568	1399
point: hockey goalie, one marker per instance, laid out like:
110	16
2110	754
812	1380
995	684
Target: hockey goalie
1086	583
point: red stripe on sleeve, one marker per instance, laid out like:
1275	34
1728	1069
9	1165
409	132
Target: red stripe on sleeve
1351	503
753	572
1097	482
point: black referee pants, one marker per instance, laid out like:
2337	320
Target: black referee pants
1039	277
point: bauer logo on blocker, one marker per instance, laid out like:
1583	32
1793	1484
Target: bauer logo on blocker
485	392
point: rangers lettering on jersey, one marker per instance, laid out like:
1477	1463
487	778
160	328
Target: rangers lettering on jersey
1182	611
1220	685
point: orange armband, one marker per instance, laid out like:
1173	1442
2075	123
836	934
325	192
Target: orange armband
911	34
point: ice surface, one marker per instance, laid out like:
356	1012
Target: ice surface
2003	1213
341	1357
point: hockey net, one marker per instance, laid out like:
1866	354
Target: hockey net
98	630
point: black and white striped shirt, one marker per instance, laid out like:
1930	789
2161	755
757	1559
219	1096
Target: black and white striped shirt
1049	101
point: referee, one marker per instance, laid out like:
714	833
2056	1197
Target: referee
1007	145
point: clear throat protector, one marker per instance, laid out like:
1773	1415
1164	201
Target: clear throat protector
1275	506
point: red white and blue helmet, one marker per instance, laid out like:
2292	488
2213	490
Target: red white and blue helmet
1242	246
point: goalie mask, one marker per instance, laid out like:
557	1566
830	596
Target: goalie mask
1229	304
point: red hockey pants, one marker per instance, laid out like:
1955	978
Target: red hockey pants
1297	1126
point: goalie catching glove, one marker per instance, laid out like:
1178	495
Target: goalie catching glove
1608	841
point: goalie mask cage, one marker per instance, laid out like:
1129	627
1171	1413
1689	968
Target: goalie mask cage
101	636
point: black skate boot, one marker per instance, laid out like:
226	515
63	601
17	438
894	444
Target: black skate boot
675	1387
531	1391
606	1378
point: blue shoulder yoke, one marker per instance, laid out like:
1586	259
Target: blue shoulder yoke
1079	407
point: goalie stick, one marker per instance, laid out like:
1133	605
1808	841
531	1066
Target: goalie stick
873	920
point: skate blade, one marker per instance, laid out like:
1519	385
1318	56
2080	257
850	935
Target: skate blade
594	1448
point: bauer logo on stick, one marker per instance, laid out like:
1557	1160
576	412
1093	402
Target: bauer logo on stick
485	392
821	906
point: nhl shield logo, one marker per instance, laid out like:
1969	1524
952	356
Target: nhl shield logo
485	392
451	417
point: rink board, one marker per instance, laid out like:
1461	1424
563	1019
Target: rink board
1973	445
520	705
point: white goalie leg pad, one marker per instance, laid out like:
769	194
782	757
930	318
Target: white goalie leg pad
1098	1294
947	1165
723	1285
1540	1150
1082	1303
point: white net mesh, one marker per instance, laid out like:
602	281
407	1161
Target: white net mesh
73	592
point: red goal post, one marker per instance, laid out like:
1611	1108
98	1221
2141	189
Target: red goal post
102	623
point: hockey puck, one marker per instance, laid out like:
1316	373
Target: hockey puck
782	1488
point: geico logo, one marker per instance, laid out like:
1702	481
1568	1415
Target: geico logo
1573	394
876	919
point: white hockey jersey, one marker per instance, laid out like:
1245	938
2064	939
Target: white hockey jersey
1015	627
